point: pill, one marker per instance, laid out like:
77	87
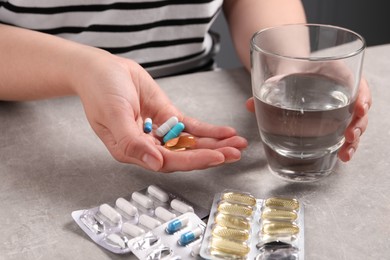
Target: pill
278	214
116	240
126	207
148	221
181	207
232	221
282	203
158	193
165	127
181	143
142	199
230	233
280	228
164	214
148	125
177	224
241	198
110	213
221	247
190	236
235	209
174	132
132	230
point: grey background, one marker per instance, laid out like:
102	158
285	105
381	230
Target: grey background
371	19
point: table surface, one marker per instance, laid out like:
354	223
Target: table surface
52	163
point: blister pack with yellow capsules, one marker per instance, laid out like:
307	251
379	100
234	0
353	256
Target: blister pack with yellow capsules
241	226
114	225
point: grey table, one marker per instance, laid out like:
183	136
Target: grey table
51	163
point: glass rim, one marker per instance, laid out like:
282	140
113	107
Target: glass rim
257	48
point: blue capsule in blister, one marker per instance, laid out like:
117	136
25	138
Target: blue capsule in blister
176	225
190	236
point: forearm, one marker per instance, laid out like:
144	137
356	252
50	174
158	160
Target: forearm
245	17
34	65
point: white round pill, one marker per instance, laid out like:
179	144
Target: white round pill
132	230
180	206
116	240
164	128
148	221
110	213
164	214
126	207
142	199
158	193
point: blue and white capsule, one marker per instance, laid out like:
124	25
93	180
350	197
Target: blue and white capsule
174	132
148	125
190	236
164	128
177	224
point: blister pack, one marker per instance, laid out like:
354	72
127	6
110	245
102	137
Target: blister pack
114	225
179	238
241	226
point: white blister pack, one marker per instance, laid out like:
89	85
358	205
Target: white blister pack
241	226
114	225
179	238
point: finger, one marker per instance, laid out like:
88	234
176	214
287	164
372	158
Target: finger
364	100
190	159
348	150
250	104
356	128
202	129
237	142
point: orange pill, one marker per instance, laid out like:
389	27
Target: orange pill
181	143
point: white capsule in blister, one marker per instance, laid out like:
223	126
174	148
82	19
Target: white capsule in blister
158	193
115	239
164	128
126	207
148	221
181	206
142	199
110	213
132	229
164	214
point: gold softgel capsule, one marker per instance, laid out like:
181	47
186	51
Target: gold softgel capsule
278	214
235	209
282	203
230	233
224	247
231	221
240	198
181	143
280	229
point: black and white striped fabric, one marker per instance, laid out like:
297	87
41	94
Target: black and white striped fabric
164	36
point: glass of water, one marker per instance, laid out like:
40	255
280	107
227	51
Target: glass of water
305	80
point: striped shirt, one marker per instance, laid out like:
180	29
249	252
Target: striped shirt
164	36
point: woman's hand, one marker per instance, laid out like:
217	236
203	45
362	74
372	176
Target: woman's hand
357	126
118	95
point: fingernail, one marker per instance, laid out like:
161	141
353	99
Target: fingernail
215	163
151	161
356	133
351	151
366	108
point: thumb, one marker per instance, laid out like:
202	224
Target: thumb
127	143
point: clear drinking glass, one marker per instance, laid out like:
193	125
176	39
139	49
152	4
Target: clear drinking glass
305	80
